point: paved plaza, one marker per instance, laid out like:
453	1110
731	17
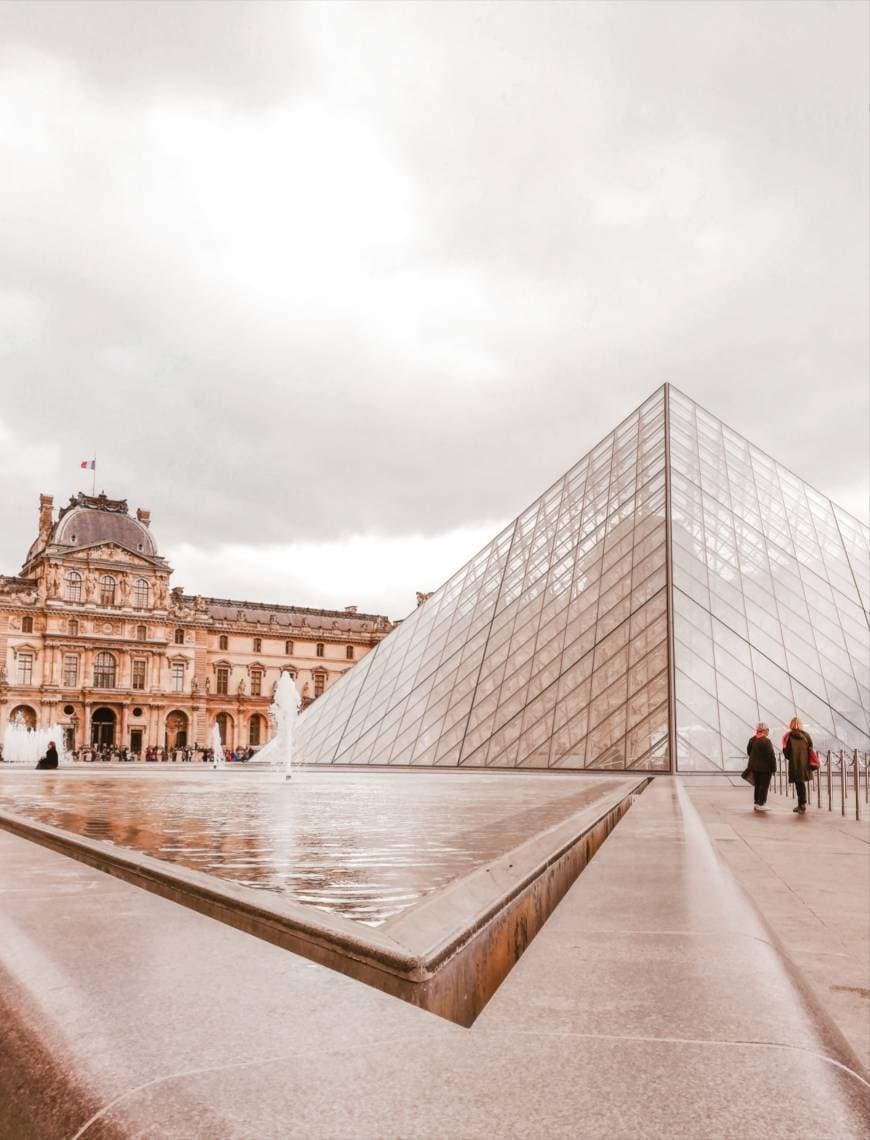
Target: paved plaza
810	878
657	1001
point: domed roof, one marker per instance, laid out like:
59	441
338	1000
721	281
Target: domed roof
86	525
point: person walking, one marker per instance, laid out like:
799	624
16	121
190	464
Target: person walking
49	760
762	763
796	747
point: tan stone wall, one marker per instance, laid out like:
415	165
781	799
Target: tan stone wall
115	629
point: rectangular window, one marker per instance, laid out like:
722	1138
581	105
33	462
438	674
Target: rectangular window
256	683
223	679
258	645
25	668
178	677
319	683
70	670
138	674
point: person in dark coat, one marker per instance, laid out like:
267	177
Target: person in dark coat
796	747
762	763
49	760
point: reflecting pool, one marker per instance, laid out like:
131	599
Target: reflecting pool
366	845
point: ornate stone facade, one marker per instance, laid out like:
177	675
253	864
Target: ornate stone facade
94	638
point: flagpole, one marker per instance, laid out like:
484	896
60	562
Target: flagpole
94	478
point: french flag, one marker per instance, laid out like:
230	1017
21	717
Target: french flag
88	465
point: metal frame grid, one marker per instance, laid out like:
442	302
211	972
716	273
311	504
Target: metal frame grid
674	586
769	619
548	649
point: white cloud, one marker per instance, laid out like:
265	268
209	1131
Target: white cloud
313	271
378	575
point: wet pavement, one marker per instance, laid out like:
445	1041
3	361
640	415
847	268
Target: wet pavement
367	845
652	1005
809	875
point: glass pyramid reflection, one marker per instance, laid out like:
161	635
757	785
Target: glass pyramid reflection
672	588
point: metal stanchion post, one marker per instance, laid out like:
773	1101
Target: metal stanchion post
830	785
819	787
842	783
857	785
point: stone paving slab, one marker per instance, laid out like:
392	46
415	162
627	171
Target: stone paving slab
809	875
126	1015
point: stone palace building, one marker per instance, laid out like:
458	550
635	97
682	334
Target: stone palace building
94	638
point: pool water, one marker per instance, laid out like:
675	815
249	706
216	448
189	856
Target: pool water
366	845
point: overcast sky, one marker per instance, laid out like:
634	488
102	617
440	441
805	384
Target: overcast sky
336	289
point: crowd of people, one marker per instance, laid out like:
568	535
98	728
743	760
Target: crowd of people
797	748
102	754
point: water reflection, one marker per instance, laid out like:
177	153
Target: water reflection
364	845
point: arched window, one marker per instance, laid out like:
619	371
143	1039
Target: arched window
319	683
348	652
141	633
288	648
179	637
23	714
255	731
225	728
319	649
104	671
73	586
223	642
258	645
27	625
140	594
74	628
107	590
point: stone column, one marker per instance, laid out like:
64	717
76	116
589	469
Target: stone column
122	741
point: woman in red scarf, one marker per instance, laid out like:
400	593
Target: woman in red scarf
796	747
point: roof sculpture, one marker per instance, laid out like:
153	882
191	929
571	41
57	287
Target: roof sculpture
670	590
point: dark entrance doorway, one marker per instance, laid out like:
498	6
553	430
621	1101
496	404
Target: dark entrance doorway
103	728
176	729
135	739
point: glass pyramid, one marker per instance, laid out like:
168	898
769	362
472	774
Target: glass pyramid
672	588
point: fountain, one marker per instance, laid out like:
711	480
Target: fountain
279	751
25	746
217	748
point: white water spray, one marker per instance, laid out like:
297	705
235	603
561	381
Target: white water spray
283	710
217	749
26	746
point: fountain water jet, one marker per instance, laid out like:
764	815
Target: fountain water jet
25	746
285	705
217	748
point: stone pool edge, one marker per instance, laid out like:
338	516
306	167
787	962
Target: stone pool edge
451	972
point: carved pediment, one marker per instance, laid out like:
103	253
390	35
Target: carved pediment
109	552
